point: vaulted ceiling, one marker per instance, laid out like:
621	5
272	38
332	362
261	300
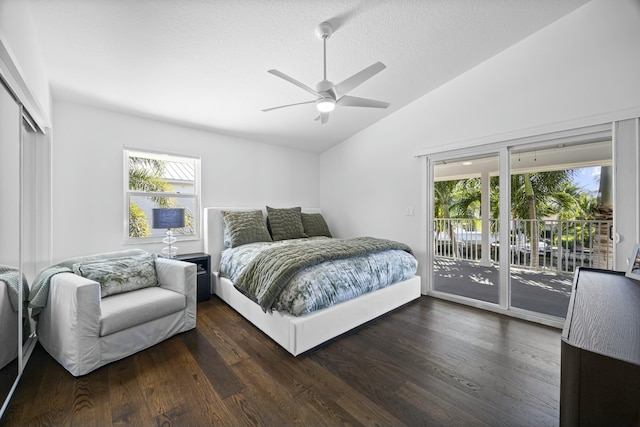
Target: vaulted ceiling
204	63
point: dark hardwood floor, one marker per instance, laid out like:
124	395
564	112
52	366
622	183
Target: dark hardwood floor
430	362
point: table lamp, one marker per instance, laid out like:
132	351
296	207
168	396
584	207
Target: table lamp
168	218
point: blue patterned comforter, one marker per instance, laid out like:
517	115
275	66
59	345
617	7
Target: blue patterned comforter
329	283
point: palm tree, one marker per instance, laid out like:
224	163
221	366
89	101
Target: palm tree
146	175
540	194
468	194
574	203
443	192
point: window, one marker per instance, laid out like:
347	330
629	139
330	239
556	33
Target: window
160	180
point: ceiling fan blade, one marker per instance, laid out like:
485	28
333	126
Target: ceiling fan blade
358	78
324	118
354	101
294	81
288	105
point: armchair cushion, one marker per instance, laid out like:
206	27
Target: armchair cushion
120	312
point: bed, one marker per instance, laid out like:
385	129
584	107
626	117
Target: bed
297	334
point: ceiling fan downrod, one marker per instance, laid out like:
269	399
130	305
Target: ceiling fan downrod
324	42
324	31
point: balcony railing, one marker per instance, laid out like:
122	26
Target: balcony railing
551	245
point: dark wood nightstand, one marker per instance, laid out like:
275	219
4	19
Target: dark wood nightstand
203	262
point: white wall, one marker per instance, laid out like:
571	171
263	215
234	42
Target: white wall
579	70
87	175
18	32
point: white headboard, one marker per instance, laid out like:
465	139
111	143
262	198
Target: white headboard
214	230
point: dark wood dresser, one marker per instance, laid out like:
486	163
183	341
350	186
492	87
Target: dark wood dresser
600	351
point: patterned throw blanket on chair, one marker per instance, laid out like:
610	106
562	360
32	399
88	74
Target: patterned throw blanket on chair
40	289
9	276
269	272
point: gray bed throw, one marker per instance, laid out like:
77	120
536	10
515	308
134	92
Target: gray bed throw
266	276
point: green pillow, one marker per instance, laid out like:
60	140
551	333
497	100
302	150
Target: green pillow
285	223
245	227
315	225
119	275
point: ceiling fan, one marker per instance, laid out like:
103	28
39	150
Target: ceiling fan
328	95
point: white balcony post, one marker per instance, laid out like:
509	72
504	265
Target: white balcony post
485	213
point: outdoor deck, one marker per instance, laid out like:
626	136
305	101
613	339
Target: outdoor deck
537	291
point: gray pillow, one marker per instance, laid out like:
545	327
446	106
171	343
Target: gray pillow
227	237
245	227
119	275
285	223
315	225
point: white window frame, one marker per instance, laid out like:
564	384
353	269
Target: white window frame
160	155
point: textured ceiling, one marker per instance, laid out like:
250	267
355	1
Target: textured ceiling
204	63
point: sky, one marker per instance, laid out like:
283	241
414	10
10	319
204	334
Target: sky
587	178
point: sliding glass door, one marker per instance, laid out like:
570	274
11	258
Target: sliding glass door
508	228
466	227
558	195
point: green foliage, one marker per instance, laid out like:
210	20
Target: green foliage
146	175
552	193
443	197
138	224
542	194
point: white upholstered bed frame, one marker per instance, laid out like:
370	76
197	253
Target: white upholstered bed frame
299	334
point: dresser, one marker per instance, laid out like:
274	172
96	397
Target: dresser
600	351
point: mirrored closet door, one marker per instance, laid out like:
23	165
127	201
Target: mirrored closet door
25	229
10	269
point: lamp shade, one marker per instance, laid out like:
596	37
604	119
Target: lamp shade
168	218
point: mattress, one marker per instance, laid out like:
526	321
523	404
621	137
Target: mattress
329	283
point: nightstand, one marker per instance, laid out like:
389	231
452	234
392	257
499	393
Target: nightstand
203	262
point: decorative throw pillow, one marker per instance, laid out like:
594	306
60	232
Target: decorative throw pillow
285	223
119	275
315	225
245	227
227	237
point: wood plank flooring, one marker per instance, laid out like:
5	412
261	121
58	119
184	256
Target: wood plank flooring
431	362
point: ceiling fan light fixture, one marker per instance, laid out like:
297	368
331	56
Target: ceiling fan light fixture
327	95
325	105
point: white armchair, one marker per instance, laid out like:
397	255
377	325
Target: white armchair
84	332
